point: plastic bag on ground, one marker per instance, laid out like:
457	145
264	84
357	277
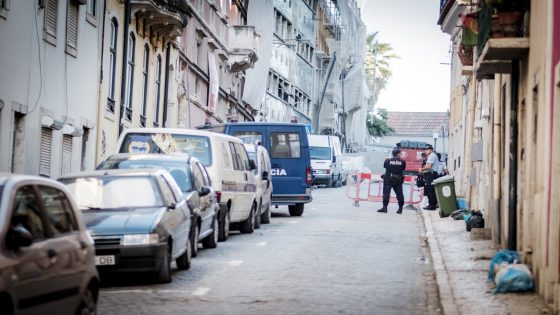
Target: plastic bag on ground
503	256
513	278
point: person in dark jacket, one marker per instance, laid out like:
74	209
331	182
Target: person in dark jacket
393	179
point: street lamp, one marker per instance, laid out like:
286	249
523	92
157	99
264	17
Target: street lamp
435	135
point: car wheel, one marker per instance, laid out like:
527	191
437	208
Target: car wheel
223	231
258	217
265	217
296	210
194	240
164	275
248	226
211	241
184	261
88	305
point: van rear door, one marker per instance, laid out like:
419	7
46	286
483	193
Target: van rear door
289	156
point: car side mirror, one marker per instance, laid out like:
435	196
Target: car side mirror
18	237
172	205
265	175
204	191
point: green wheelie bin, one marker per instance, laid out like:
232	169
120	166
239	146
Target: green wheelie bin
445	193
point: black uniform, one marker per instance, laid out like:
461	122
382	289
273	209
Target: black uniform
394	179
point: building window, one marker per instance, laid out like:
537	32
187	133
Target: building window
51	20
45	152
72	18
85	138
91	15
156	90
18	144
145	65
130	77
196	86
112	65
199	52
66	163
4	7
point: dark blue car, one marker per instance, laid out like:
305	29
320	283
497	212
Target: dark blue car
289	156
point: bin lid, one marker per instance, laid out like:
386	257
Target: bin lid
444	179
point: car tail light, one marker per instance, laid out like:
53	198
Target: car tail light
328	171
218	196
309	177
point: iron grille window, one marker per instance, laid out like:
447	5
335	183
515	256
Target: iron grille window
112	64
72	16
130	77
157	89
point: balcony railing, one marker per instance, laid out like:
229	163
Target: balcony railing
166	17
243	45
501	38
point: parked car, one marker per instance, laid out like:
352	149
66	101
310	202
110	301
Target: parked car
263	181
289	157
326	160
224	157
46	254
138	219
191	177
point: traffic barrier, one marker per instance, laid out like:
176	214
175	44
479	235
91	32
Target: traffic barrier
369	187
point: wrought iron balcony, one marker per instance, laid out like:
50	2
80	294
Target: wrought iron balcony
501	39
165	17
243	46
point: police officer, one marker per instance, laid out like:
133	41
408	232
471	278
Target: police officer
393	179
430	173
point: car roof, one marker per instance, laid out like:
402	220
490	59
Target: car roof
254	123
116	172
6	178
183	157
190	132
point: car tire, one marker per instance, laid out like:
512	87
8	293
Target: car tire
88	304
296	210
223	231
194	240
164	274
265	217
248	226
258	217
184	261
211	241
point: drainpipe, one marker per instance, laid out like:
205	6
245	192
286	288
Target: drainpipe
318	105
100	104
124	63
512	195
166	84
497	161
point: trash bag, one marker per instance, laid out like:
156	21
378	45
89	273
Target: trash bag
459	214
503	256
475	221
513	278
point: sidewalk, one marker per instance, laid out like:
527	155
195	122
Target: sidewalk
461	267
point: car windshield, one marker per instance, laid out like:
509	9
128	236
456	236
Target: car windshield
320	153
166	143
111	192
179	170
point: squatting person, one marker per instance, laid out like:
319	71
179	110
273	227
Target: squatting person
393	179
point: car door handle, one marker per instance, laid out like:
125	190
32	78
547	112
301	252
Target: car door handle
83	245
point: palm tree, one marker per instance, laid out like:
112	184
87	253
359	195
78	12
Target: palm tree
378	57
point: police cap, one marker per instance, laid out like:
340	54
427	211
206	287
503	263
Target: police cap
428	147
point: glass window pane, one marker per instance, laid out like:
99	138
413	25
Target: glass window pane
27	214
58	210
285	145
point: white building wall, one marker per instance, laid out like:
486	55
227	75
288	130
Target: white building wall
42	82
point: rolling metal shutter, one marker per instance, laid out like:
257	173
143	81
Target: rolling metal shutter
45	152
72	24
51	17
66	154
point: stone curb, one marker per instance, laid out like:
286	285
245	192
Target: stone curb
446	296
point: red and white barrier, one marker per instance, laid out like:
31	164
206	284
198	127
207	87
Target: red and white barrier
369	187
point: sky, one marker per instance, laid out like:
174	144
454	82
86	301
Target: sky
420	81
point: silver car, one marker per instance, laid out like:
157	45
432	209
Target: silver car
46	254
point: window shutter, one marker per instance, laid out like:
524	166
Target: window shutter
51	17
66	154
45	152
72	24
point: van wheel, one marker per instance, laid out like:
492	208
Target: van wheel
211	241
265	217
258	217
248	226
223	230
296	210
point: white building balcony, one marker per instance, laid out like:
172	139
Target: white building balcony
243	46
164	17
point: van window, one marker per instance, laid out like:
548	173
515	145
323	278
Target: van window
244	157
249	137
320	153
285	145
237	163
165	143
225	155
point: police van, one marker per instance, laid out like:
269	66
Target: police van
288	147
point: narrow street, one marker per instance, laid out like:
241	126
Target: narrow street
334	259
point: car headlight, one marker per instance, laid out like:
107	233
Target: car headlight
140	239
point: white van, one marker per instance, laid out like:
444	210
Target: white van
263	178
225	159
326	160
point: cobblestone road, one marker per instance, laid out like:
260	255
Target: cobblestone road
335	259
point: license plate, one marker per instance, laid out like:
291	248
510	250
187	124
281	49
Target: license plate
104	260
